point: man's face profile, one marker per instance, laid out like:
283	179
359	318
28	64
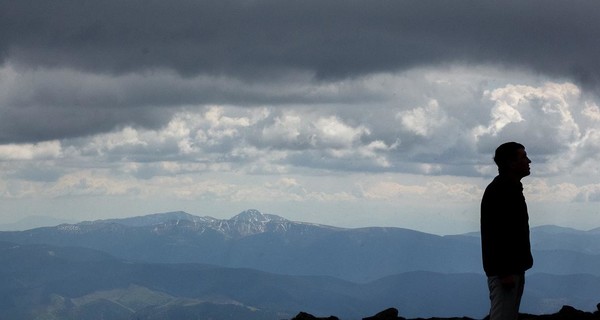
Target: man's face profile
520	165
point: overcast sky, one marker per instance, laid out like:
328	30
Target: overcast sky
348	113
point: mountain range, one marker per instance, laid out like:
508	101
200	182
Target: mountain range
260	266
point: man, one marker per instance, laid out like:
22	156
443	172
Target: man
505	245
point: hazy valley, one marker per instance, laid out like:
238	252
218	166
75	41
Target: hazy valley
257	266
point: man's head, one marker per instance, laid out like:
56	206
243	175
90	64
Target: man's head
512	159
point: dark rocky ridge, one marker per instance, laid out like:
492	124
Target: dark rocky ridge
565	313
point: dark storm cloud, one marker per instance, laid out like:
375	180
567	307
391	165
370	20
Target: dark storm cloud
73	68
330	38
41	123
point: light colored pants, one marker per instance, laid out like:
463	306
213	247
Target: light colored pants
505	301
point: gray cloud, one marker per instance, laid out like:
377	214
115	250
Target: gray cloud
331	39
74	69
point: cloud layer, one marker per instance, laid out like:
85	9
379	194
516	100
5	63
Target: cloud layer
131	61
337	102
328	38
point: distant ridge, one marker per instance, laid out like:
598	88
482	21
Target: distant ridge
271	243
151	219
243	224
552	229
33	222
264	242
48	282
568	259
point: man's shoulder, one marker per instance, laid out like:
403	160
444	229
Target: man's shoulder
495	183
496	187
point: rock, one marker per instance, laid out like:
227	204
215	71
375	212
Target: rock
387	314
565	313
568	312
308	316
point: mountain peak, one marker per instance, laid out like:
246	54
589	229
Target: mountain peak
253	221
251	215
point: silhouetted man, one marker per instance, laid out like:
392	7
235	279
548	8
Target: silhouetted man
505	243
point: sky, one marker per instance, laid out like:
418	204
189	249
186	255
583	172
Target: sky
345	113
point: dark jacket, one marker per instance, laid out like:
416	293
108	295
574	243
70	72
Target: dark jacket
505	242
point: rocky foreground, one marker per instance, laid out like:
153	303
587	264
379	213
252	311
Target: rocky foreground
565	313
